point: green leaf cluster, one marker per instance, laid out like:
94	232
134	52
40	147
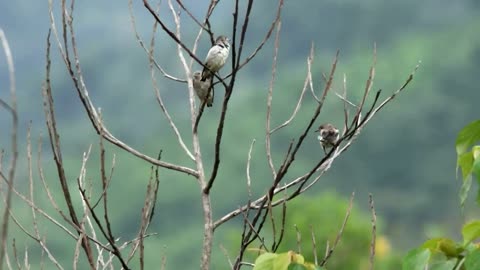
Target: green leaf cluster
446	254
283	261
468	157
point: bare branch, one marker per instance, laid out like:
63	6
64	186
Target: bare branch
225	252
340	232
299	239
374	231
176	39
159	97
291	157
12	109
77	78
314	245
262	43
235	69
142	44
308	79
368	85
207	29
269	101
57	153
249	180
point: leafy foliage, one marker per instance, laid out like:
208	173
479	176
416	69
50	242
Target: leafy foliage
283	261
468	157
444	253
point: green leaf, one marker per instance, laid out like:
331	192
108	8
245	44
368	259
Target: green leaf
265	261
444	246
282	261
476	162
470	232
467	184
472	260
443	265
439	261
465	163
416	259
467	137
296	266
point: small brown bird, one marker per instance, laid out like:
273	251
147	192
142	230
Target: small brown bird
202	87
328	137
216	57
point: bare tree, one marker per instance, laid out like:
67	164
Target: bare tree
92	232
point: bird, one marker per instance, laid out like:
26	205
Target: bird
202	87
328	137
216	57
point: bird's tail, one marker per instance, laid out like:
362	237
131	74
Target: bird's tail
211	94
206	74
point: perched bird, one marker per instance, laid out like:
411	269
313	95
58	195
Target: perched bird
328	136
202	88
216	57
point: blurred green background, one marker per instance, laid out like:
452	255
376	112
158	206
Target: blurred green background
405	156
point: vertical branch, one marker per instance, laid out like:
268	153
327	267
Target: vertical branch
159	96
299	239
243	33
374	231
314	245
345	109
368	85
249	180
269	101
228	89
205	26
12	109
205	196
57	154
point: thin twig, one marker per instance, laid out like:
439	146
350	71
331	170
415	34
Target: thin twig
159	96
225	252
249	180
57	153
374	231
299	239
235	69
345	109
282	228
262	43
193	17
142	44
314	245
306	83
12	109
269	101
368	86
340	232
92	113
